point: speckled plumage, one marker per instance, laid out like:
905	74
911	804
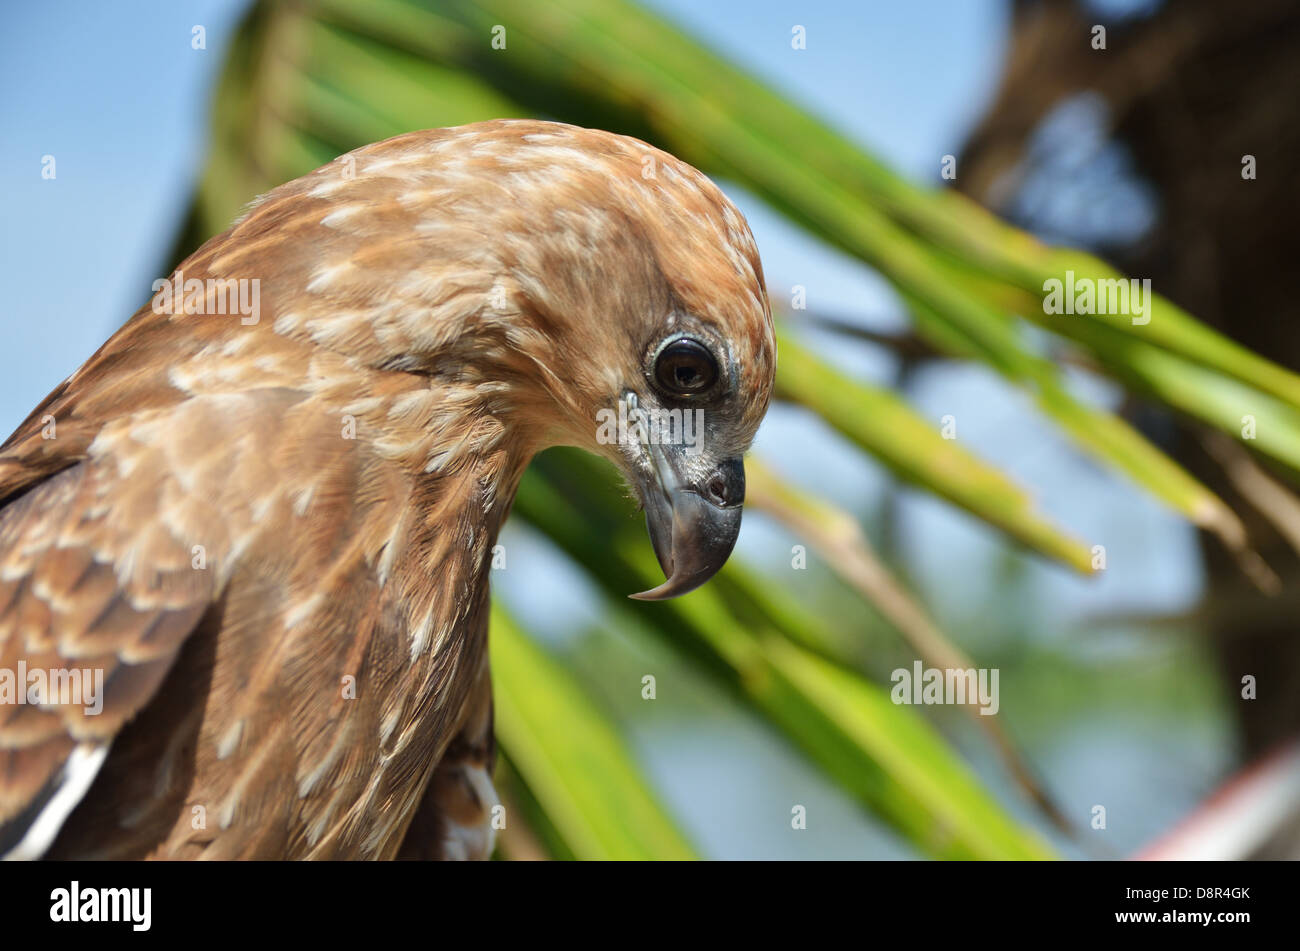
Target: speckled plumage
434	309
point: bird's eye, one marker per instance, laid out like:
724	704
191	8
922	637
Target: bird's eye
685	368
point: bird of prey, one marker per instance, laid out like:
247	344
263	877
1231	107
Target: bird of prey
263	513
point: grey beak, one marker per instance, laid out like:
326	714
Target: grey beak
693	525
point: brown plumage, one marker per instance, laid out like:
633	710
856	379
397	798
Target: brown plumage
272	531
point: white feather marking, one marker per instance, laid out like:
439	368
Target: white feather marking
464	842
389	723
308	782
318	826
420	636
328	187
302	499
390	162
226	745
286	323
302	610
226	814
79	771
336	218
327	274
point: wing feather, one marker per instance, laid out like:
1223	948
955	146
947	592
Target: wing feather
76	607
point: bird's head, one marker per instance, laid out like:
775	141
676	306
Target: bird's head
649	284
593	291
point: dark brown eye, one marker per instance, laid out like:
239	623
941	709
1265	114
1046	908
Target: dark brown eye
685	368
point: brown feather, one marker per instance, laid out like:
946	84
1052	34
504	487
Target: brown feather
237	520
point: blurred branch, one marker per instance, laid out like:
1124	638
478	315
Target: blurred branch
1239	608
846	549
906	344
1270	497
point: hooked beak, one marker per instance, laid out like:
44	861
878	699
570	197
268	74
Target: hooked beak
693	522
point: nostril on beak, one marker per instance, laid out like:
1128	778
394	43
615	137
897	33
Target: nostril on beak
726	486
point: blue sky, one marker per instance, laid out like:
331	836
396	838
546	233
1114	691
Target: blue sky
119	99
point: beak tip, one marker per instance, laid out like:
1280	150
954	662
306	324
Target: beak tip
660	593
674	586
